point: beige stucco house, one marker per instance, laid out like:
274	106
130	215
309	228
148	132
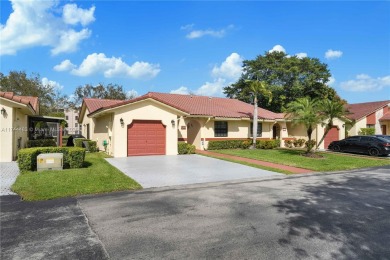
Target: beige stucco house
155	122
370	115
14	123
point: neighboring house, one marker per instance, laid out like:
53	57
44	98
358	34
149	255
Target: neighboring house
72	118
370	115
14	124
155	122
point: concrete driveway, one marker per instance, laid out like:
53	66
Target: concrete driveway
160	171
9	171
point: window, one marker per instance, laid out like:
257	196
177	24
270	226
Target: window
220	129
76	125
66	118
259	129
370	126
76	117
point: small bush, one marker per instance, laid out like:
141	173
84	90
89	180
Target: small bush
228	144
367	131
267	144
185	148
92	146
310	144
73	157
299	142
288	143
41	143
78	142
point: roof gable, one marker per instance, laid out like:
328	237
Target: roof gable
361	110
32	102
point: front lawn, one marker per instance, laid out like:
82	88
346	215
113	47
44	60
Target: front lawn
330	162
98	176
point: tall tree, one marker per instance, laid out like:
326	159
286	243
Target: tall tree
257	88
23	85
304	111
110	91
288	78
329	110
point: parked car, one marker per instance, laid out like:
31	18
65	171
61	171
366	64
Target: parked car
372	145
387	137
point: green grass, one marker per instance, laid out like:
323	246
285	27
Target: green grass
330	162
249	164
98	176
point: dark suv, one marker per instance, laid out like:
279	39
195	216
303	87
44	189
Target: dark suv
371	145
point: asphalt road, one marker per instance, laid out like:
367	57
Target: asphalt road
321	216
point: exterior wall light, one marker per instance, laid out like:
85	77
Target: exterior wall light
121	121
173	122
3	111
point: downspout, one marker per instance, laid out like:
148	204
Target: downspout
201	133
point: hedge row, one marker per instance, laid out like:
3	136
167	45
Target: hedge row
185	148
41	143
73	157
92	145
243	144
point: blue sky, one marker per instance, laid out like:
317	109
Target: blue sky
194	46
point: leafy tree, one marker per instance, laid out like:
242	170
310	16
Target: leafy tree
111	91
23	85
330	110
288	78
304	111
256	88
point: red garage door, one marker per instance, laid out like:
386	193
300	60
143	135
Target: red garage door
333	135
145	137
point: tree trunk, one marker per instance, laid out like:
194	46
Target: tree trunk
254	129
309	132
327	129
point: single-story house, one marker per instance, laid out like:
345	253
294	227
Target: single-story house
15	111
370	115
155	122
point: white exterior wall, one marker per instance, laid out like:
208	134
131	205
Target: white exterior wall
356	127
101	131
144	110
21	131
86	120
319	132
6	140
378	114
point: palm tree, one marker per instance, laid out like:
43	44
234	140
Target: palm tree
256	88
304	111
330	110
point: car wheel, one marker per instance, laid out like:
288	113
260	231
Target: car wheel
373	152
336	148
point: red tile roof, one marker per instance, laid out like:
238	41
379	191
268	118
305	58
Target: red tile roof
202	106
385	117
361	110
94	104
26	100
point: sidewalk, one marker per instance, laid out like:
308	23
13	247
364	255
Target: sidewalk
257	162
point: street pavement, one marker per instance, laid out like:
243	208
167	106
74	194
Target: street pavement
314	216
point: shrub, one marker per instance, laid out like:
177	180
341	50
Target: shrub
41	143
367	131
185	148
299	142
92	146
288	143
267	144
73	157
78	142
310	145
228	144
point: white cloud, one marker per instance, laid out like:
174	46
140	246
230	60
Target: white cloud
278	48
37	23
331	54
209	32
74	15
182	90
111	67
64	66
364	82
331	81
51	83
214	88
231	68
301	55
